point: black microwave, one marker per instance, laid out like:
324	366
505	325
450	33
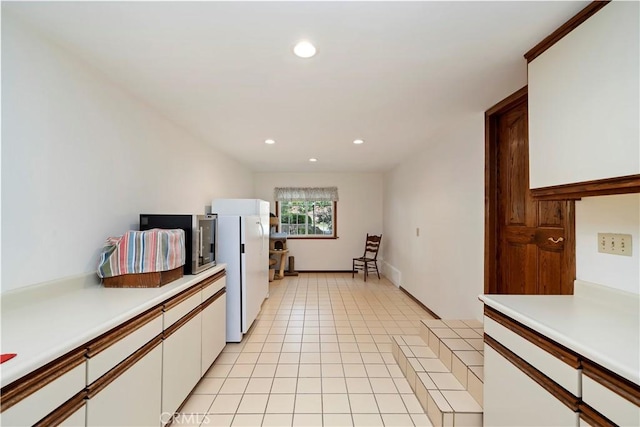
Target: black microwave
200	234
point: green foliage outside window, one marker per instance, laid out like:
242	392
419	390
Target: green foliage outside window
307	218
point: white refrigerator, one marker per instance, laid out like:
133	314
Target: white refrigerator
243	244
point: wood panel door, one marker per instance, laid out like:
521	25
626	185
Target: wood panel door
531	245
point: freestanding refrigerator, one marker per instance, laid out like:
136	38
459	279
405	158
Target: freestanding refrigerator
243	244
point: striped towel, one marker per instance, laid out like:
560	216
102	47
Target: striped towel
142	252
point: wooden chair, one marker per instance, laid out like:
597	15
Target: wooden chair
368	261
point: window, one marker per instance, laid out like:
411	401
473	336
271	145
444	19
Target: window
307	212
307	218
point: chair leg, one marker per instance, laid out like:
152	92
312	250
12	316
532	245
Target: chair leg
366	270
353	269
376	264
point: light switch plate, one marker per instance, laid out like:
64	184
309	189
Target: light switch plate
615	244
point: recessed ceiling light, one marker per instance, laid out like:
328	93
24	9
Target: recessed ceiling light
269	141
304	49
358	141
313	160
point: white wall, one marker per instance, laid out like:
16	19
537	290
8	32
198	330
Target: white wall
359	213
81	159
608	214
440	191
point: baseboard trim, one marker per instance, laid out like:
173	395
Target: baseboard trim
392	274
427	309
323	271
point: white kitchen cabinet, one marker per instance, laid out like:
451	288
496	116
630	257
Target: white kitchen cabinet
529	380
609	403
181	363
560	372
119	343
115	376
45	395
584	423
77	419
179	307
593	337
126	362
213	330
512	398
129	396
583	101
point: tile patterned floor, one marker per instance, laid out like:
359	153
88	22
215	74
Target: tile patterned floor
318	355
446	373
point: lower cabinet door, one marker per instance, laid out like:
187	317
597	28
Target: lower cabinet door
584	423
213	332
181	364
41	403
133	398
513	399
78	418
610	404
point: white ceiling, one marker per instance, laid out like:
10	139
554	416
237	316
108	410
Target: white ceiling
391	73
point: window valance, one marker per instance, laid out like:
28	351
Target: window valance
289	194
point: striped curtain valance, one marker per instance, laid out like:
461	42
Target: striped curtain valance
290	194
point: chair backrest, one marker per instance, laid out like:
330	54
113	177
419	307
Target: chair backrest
371	246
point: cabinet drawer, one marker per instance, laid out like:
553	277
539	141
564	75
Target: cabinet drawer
130	394
180	305
211	289
610	404
118	344
72	413
44	400
512	398
568	377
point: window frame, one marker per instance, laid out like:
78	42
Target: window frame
312	236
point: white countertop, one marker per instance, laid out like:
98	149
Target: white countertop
41	323
603	328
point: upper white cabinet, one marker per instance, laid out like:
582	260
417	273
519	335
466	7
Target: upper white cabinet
584	101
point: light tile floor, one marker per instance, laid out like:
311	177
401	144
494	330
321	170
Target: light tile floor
319	354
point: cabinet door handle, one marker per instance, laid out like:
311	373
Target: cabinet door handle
558	240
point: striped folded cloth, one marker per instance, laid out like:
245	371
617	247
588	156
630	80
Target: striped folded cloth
142	252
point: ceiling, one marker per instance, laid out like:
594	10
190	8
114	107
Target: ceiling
391	73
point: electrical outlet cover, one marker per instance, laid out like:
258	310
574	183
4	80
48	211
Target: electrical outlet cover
624	244
615	244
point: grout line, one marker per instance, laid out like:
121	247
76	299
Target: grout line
346	312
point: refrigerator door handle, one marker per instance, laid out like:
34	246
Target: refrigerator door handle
261	236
